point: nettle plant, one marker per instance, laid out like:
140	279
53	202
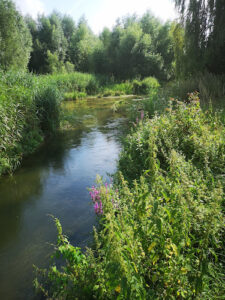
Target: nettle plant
161	223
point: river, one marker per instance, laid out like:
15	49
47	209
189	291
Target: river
54	181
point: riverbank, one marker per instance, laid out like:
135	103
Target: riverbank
54	180
161	222
30	107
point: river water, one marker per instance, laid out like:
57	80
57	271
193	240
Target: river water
54	181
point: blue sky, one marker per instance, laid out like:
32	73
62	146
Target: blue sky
99	13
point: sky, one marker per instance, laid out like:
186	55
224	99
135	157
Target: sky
99	13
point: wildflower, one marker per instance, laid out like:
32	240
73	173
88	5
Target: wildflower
94	193
142	115
98	208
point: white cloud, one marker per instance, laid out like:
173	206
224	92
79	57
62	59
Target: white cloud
31	7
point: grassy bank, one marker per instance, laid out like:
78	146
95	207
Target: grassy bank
161	224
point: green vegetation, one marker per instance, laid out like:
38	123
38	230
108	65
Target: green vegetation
30	107
75	95
161	224
29	111
203	47
15	38
148	86
136	47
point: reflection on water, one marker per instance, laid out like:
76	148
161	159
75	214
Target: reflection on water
54	181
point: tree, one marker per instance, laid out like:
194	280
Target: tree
48	42
82	46
177	33
15	38
203	21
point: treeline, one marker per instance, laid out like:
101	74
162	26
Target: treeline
135	47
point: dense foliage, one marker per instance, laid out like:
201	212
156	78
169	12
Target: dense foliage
135	47
15	38
29	110
161	225
204	38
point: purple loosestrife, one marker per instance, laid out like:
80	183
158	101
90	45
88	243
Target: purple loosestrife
95	196
98	208
142	115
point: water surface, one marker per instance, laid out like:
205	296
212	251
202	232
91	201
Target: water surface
54	181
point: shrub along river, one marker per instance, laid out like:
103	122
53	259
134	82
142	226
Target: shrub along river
54	181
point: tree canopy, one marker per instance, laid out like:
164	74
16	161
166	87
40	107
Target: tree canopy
15	38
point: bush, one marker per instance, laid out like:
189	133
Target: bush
147	86
161	228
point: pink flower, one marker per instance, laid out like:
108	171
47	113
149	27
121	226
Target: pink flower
98	208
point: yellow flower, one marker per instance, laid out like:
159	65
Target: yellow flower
118	289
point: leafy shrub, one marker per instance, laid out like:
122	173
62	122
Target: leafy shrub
147	86
161	225
125	88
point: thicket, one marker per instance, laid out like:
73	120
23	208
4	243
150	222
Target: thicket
161	223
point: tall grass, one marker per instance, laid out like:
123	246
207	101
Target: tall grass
161	224
29	110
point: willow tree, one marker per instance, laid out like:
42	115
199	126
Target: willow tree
204	23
